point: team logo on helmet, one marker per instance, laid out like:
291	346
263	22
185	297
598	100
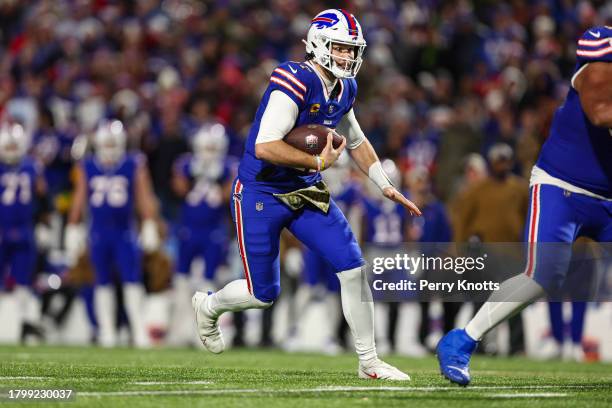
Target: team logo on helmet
325	20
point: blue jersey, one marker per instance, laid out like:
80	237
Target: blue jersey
576	151
110	192
300	82
384	222
433	226
349	196
203	205
17	187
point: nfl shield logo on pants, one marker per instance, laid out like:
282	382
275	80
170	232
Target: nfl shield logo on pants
259	206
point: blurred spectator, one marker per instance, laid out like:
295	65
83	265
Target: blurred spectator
501	193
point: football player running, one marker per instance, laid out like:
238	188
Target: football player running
571	196
110	182
279	186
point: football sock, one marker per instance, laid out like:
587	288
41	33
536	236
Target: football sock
358	312
513	296
133	297
28	304
180	329
557	327
332	312
233	297
578	312
105	310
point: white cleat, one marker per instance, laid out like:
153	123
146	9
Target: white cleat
208	326
379	370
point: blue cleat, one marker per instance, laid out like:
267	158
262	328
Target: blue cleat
454	352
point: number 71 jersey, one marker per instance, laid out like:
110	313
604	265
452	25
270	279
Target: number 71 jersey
16	195
110	192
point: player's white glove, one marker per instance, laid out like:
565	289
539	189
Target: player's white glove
149	236
74	242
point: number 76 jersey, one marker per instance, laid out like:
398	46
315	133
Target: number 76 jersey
110	192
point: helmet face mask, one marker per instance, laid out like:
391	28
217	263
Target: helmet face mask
210	144
14	143
336	27
110	142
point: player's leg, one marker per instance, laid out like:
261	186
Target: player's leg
308	279
214	253
331	237
180	331
23	264
259	219
551	219
333	308
104	302
129	262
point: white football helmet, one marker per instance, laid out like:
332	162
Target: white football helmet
335	26
14	142
110	142
210	144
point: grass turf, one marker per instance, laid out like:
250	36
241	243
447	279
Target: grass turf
253	378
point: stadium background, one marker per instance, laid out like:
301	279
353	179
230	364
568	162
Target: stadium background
441	80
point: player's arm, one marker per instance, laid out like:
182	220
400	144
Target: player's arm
278	119
146	203
74	235
363	154
226	189
79	196
594	86
180	184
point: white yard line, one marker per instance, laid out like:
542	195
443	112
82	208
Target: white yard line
172	382
341	389
527	395
25	378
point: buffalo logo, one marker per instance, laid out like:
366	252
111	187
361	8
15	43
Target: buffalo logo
325	20
312	142
315	108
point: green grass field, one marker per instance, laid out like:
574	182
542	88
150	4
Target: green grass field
252	378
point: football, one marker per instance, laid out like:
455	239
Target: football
312	138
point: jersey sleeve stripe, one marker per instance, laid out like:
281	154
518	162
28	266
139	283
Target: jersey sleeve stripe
597	53
287	86
292	78
594	43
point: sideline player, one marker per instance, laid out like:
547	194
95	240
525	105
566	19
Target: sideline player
571	196
21	183
204	180
273	176
110	181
